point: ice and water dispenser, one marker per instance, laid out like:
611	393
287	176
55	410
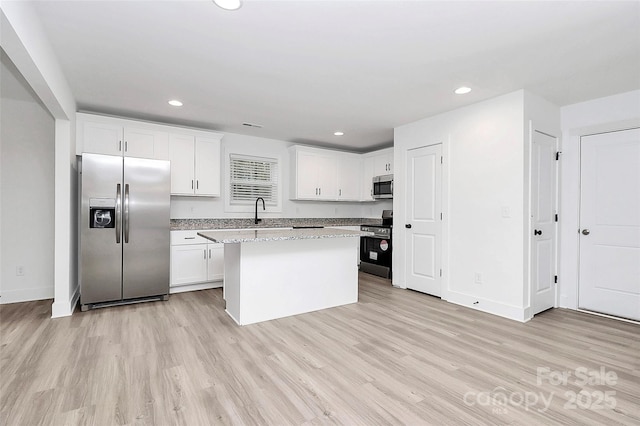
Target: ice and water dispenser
102	213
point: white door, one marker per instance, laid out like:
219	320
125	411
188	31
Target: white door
424	223
543	209
610	223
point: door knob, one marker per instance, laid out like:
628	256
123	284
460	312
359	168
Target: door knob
408	226
585	232
537	232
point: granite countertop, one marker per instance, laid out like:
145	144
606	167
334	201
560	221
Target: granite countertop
204	224
258	235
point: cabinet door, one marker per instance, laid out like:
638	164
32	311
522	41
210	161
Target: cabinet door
216	262
327	176
207	167
382	165
146	143
138	142
349	177
367	179
101	138
181	155
306	175
188	264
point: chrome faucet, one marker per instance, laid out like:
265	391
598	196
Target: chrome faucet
263	208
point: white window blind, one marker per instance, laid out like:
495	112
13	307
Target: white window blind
253	177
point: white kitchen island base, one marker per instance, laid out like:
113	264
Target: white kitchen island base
266	280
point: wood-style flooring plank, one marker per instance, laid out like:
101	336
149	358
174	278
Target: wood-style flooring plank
395	357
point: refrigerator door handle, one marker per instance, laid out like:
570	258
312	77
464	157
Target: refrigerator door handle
125	216
118	213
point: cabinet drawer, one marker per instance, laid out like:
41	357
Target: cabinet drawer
187	237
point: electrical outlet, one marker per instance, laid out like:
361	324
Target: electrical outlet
478	278
20	270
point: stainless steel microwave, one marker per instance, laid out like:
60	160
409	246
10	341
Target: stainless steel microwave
383	186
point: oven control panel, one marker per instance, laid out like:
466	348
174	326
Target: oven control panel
378	231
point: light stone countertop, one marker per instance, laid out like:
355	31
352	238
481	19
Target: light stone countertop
230	223
258	235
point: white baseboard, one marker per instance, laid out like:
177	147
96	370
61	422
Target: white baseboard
65	308
26	295
490	306
194	287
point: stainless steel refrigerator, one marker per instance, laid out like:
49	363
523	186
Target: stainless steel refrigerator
124	229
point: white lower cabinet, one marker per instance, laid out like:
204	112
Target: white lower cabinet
196	264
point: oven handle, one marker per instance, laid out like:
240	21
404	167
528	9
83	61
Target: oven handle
376	237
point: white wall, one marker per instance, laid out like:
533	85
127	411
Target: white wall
205	207
24	41
611	113
485	171
26	191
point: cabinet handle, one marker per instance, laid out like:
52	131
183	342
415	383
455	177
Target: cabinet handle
209	253
119	146
316	191
126	146
319	191
205	253
197	184
189	238
191	183
340	192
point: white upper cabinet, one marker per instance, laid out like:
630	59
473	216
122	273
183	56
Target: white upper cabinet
116	136
182	156
207	158
194	154
100	138
383	162
349	177
146	143
367	179
195	164
323	174
313	174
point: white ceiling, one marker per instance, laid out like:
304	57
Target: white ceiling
304	69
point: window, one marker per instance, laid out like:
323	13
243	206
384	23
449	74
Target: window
252	177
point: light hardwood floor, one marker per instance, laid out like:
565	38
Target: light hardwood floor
395	357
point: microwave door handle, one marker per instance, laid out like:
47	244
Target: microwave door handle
118	213
125	216
391	188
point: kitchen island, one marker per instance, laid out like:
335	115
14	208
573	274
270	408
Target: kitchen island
276	273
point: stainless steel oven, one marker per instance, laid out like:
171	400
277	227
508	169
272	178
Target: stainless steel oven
376	249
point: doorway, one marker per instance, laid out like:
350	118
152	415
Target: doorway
424	220
609	271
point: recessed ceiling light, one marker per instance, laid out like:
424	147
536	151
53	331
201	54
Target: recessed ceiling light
462	90
228	4
338	133
175	102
